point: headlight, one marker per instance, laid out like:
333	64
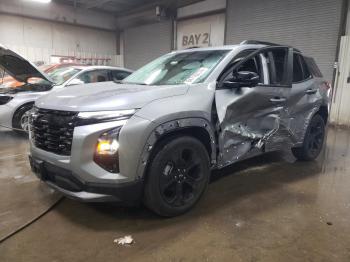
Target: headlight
108	142
106	152
86	118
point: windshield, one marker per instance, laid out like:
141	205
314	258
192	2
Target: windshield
181	68
61	75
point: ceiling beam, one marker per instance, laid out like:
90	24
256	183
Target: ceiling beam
97	4
172	4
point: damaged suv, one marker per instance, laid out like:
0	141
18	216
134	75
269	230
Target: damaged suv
156	136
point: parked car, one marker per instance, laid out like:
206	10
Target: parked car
9	81
157	135
15	103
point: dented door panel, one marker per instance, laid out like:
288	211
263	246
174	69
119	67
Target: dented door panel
256	120
249	120
302	105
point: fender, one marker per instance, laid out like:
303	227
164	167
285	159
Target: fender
171	127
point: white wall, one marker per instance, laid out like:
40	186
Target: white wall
348	22
37	40
201	32
58	13
201	7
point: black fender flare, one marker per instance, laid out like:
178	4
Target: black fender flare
171	127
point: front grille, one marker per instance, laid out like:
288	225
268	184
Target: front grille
52	130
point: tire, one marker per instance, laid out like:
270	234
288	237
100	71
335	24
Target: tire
313	140
177	176
20	118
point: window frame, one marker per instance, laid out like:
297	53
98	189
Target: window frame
288	77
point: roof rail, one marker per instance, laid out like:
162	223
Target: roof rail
255	42
192	47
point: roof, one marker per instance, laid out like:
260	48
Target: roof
246	43
86	67
213	48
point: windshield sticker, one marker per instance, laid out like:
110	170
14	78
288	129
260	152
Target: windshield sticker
197	74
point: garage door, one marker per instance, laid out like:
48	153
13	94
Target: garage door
145	43
310	25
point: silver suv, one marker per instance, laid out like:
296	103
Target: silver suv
157	135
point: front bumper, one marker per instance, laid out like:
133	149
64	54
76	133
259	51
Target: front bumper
71	186
6	114
79	177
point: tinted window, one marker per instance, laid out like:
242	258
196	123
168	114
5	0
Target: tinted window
119	75
306	71
94	76
297	69
312	66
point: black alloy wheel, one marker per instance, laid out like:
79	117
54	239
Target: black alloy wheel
177	177
313	141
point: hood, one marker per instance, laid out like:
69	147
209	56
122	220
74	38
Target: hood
107	96
18	67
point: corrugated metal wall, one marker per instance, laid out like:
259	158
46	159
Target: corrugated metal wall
145	43
310	25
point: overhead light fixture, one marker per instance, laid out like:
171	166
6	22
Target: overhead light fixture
39	1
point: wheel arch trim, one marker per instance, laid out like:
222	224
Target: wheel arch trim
171	128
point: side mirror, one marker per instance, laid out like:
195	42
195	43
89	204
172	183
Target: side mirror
74	82
242	79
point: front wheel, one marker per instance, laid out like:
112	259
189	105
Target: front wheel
177	176
313	140
21	118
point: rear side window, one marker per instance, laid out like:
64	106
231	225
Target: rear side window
301	71
297	69
312	66
306	71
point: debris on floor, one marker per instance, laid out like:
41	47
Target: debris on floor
124	241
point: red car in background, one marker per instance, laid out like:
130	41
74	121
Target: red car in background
9	81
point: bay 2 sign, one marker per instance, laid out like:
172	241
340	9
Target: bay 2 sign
199	39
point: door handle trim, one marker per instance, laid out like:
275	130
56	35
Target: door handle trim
278	99
311	91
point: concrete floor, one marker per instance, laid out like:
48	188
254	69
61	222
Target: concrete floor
269	208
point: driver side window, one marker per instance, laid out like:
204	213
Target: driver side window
254	65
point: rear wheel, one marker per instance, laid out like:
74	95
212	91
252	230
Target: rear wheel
313	140
21	118
177	176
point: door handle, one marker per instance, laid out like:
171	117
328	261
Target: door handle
311	91
278	99
349	80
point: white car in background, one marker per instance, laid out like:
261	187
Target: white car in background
15	103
